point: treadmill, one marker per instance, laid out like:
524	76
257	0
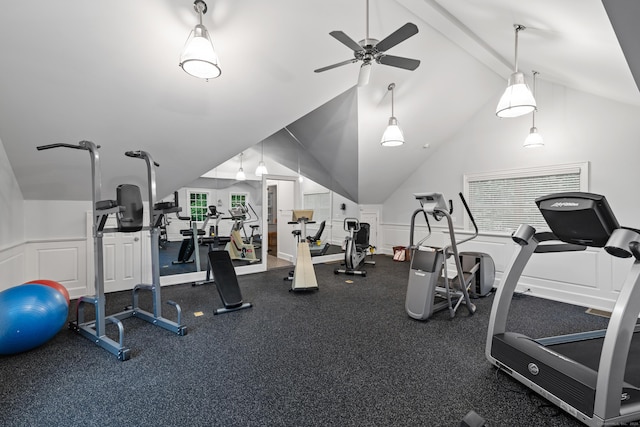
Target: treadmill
594	376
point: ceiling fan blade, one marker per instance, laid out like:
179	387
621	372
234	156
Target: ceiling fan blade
398	61
329	67
399	35
346	40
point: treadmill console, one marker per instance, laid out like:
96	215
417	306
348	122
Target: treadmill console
579	218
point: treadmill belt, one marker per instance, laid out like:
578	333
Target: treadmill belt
587	353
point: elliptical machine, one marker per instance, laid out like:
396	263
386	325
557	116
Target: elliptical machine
356	248
430	289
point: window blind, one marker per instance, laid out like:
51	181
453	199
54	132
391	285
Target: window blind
502	203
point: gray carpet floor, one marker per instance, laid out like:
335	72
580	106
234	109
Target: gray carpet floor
346	355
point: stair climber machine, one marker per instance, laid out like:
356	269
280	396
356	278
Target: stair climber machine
129	213
594	375
430	289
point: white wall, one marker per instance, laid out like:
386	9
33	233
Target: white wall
576	127
11	204
12	258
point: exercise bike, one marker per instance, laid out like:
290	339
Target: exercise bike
356	248
303	276
237	247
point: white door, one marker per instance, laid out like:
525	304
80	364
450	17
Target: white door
371	218
286	240
122	258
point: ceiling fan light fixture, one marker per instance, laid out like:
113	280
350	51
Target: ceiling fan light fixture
198	57
517	99
365	73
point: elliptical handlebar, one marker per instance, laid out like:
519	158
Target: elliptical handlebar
473	221
412	227
82	145
139	154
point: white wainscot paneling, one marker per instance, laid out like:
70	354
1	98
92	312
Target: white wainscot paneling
398	235
499	247
12	267
62	261
574	268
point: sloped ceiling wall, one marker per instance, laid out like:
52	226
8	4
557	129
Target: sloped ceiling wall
323	145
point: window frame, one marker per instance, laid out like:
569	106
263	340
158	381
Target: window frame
202	211
244	195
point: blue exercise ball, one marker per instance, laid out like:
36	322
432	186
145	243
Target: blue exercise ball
30	315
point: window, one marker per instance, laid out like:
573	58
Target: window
198	206
320	203
501	201
238	199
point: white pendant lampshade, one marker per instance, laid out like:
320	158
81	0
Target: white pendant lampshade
262	168
534	139
198	58
517	98
240	175
392	136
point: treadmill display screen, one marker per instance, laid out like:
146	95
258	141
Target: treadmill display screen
579	218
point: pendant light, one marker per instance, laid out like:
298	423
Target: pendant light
392	136
240	176
534	139
198	58
517	98
262	168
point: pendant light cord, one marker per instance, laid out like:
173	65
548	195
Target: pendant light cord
533	115
391	88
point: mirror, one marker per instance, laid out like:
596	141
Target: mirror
224	213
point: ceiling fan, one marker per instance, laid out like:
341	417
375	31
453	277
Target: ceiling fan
369	50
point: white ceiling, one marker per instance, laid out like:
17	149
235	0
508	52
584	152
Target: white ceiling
108	72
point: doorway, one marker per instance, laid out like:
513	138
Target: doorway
280	196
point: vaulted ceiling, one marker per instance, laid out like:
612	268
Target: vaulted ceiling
108	72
